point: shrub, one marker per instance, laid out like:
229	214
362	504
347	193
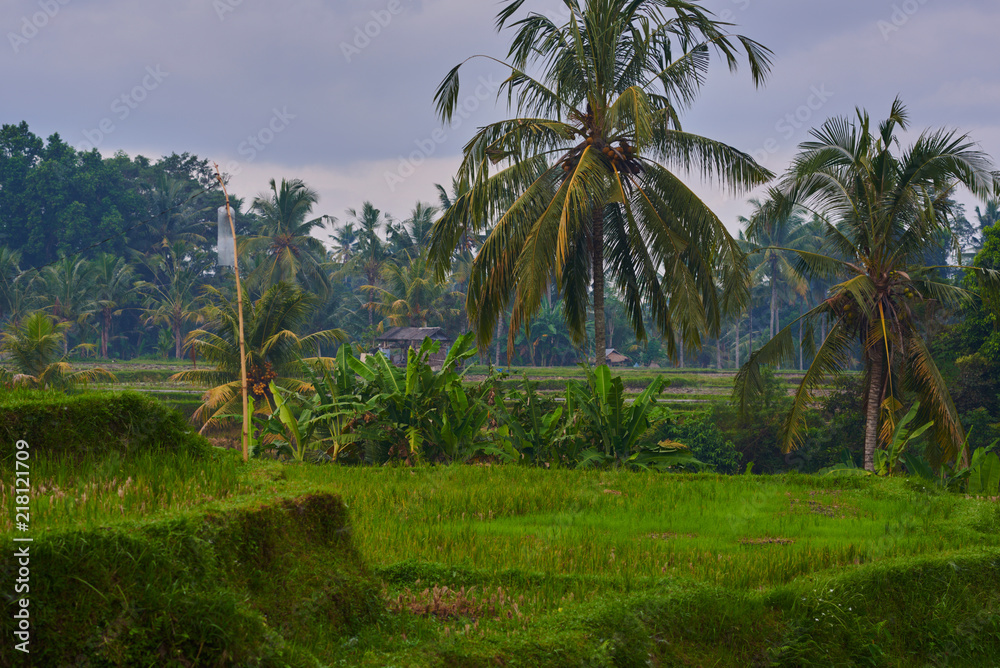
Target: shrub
93	423
703	437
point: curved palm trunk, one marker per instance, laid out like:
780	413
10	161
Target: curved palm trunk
597	242
877	361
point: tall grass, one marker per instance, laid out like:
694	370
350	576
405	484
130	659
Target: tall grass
743	532
96	491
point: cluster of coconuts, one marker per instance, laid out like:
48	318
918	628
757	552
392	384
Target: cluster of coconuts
623	155
848	311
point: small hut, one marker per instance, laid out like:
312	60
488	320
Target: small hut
398	339
615	358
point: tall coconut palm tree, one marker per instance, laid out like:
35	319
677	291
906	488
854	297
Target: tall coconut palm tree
291	253
114	282
582	184
273	348
372	252
881	209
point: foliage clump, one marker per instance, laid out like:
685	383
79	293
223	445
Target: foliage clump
93	424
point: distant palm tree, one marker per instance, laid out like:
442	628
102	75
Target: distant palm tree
881	211
990	214
291	253
411	237
273	348
171	298
411	295
345	239
774	231
32	346
372	250
178	215
67	291
114	283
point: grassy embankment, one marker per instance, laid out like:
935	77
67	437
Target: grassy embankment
542	567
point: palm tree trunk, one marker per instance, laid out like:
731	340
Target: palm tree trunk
774	301
177	340
104	333
597	243
876	361
737	343
718	353
774	307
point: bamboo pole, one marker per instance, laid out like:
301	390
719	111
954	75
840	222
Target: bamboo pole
239	311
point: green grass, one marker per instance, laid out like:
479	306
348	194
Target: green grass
627	525
97	491
559	567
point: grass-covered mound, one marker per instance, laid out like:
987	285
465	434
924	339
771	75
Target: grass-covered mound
93	423
246	583
501	565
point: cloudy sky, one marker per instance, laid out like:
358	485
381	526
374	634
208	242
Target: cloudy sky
339	92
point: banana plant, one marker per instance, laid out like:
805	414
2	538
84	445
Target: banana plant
535	435
615	425
431	409
336	403
887	461
984	473
294	432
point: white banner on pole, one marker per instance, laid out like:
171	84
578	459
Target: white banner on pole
226	250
